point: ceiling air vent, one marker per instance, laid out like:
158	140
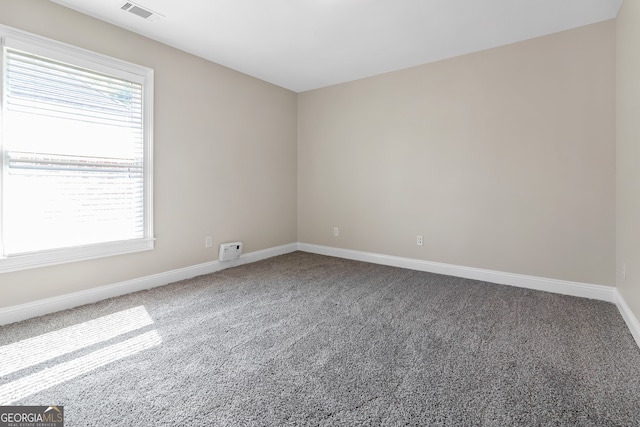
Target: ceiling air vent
140	11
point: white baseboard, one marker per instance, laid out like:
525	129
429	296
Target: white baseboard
63	302
631	320
75	299
585	290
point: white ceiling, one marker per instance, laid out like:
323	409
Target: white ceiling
308	44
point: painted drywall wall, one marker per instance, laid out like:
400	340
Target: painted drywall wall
224	149
628	154
502	159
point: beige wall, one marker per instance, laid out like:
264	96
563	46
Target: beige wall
628	153
502	159
225	157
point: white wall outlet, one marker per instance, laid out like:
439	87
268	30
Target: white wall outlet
336	232
208	242
419	241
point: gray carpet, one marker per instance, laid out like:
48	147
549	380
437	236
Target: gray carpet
304	339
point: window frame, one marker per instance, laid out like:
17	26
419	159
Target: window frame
64	52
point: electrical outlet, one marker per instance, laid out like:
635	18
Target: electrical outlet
419	240
208	242
624	271
336	231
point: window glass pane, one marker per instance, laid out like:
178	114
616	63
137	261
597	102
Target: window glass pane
73	149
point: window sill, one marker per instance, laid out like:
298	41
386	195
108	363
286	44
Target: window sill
67	255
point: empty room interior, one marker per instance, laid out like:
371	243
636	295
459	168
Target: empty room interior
346	213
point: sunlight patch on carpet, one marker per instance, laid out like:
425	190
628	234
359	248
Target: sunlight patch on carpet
33	351
46	378
42	348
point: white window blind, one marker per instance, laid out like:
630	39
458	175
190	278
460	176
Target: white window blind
74	156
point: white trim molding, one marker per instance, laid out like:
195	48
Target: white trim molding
631	320
564	287
585	290
63	302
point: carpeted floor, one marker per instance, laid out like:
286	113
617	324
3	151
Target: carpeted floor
304	339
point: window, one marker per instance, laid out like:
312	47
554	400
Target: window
76	147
